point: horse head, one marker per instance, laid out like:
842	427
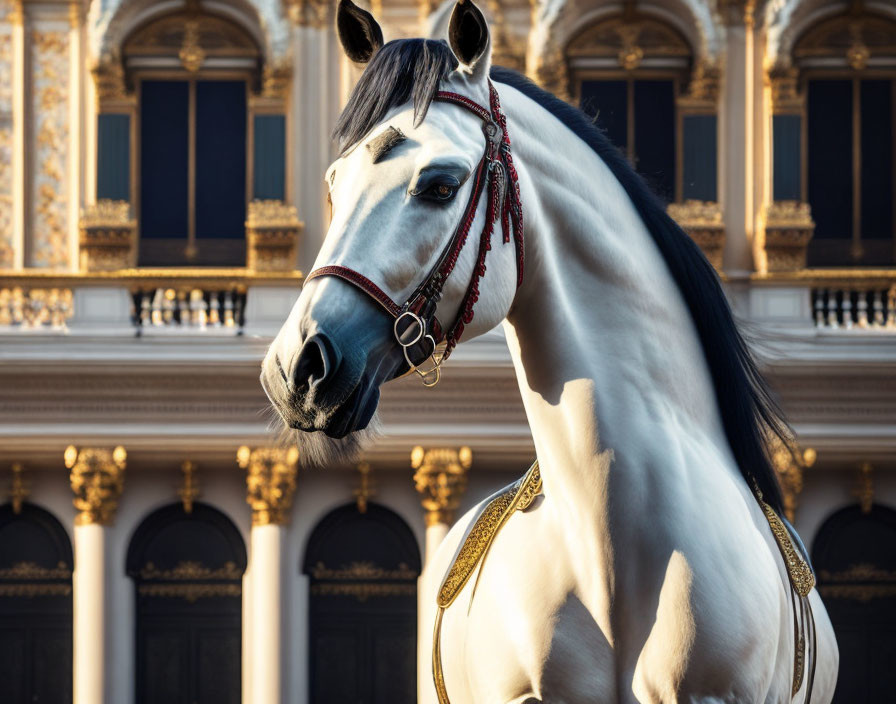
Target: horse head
402	263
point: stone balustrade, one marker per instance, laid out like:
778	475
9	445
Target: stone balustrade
848	308
34	308
189	308
147	301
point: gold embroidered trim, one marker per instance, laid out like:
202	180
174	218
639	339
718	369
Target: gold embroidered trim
801	577
491	520
517	497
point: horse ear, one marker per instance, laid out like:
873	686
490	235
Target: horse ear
468	36
359	33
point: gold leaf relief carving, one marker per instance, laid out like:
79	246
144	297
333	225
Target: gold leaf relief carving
6	234
50	236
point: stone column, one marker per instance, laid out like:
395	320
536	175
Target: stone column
440	477
97	479
270	486
737	135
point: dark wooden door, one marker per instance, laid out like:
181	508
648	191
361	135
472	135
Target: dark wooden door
35	608
189	659
363	608
855	557
187	570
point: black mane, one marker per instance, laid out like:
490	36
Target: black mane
411	69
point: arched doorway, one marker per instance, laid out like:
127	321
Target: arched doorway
35	607
363	608
187	570
855	557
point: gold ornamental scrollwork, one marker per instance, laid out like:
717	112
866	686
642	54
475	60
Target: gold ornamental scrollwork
702	220
363	580
790	463
308	13
107	236
441	478
788	230
18	490
270	482
97	480
28	579
273	229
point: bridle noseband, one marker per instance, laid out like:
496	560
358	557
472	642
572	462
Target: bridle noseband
416	328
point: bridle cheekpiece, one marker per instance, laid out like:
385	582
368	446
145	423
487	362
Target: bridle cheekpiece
416	328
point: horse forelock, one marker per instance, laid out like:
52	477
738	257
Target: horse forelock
404	70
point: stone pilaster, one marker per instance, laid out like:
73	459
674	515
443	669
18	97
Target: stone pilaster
97	479
270	487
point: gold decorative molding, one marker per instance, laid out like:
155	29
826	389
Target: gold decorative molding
190	570
18	491
858	53
552	73
270	482
28	579
273	229
189	488
363	580
109	81
35	307
7	238
276	80
861	582
788	229
441	478
191	54
308	13
703	90
702	220
50	57
108	236
786	97
790	463
737	12
97	480
365	490
864	492
31	570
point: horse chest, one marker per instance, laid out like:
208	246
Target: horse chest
518	630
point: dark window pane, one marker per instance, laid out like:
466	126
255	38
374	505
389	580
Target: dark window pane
113	157
699	158
830	158
220	159
269	168
163	159
655	135
787	159
877	160
607	102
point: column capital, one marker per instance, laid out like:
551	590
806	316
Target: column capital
790	463
270	482
441	478
308	13
97	480
737	12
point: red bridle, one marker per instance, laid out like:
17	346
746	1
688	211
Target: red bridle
415	319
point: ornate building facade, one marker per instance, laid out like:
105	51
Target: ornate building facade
161	193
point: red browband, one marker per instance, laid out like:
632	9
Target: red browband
497	178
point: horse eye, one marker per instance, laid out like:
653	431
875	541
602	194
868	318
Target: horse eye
438	192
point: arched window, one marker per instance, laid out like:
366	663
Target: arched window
847	70
855	558
191	130
363	610
631	72
35	607
187	570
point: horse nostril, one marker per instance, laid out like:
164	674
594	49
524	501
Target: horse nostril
317	362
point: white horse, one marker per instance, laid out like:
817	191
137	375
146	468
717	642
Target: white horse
646	571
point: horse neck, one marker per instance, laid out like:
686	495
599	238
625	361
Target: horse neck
610	366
